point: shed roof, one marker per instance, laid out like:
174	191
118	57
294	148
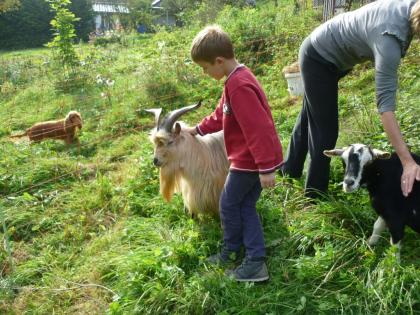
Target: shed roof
109	8
157	4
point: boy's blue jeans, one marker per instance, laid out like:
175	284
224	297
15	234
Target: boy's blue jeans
240	221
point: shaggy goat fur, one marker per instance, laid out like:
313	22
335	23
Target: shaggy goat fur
63	129
195	166
381	173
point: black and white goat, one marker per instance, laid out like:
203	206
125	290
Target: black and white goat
381	173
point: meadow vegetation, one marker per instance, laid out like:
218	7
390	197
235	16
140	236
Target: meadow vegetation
88	232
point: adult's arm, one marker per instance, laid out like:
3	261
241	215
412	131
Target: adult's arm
387	53
411	170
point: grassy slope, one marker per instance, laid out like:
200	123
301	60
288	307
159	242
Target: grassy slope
89	232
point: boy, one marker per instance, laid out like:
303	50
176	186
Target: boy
253	149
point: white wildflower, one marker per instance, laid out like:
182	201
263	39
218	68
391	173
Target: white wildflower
161	44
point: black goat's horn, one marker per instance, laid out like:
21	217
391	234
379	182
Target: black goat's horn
170	119
156	112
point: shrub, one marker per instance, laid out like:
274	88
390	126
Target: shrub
111	38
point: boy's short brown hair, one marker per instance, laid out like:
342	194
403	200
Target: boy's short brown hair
210	43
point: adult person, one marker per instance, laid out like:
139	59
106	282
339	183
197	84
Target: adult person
380	31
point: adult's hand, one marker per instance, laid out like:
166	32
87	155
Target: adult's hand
411	170
411	173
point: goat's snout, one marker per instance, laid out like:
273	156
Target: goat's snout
156	162
349	184
349	181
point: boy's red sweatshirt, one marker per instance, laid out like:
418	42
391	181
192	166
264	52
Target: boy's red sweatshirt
251	140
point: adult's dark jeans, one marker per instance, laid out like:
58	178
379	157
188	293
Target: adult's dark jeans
316	128
240	221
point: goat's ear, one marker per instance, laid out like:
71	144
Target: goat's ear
378	154
177	129
334	152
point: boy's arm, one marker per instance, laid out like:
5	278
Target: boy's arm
213	122
257	127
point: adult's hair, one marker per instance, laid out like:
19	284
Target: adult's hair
415	18
210	43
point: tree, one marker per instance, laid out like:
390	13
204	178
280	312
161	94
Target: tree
82	9
180	8
28	26
63	26
140	13
7	5
177	6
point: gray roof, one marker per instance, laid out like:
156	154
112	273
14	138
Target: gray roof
109	8
156	4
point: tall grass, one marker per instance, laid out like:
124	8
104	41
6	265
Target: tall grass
88	233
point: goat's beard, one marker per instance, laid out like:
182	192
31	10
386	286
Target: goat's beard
168	182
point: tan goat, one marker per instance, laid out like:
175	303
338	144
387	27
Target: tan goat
195	166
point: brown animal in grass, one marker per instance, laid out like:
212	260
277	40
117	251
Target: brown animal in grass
63	129
195	166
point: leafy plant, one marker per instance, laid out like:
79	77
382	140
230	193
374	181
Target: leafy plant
63	26
64	52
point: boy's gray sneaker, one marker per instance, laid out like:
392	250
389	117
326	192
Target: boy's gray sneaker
224	257
250	270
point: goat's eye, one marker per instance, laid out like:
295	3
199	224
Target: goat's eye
170	142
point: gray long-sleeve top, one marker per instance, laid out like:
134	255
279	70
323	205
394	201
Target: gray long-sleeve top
379	31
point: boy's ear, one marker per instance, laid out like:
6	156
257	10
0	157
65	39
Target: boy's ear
219	60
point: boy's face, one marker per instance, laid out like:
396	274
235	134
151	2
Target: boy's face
215	70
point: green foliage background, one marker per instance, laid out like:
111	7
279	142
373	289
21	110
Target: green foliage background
29	26
88	232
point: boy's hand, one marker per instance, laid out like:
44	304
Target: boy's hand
191	130
268	180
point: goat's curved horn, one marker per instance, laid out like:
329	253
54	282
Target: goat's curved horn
169	121
156	112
